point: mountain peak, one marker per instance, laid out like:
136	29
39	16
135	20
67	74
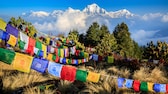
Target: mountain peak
94	9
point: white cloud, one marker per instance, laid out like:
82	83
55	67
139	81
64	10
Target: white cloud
142	36
165	18
39	14
151	16
59	21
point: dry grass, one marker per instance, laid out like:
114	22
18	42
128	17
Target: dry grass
155	75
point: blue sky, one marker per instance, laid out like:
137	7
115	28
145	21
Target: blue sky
140	6
147	19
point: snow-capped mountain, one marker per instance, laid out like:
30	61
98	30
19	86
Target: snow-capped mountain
94	9
121	13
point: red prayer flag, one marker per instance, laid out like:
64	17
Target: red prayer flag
136	85
166	88
68	73
31	46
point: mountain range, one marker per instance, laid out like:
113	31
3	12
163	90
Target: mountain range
143	28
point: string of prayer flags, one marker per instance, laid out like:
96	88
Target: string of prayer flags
12	40
120	82
22	62
6	56
39	65
93	77
81	75
136	85
55	69
2	25
11	30
68	75
144	86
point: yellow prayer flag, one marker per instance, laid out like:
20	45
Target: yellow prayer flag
49	57
93	77
62	53
150	86
67	60
48	41
44	49
2	25
22	62
12	40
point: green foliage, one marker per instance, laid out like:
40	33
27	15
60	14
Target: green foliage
94	34
17	22
74	35
107	44
156	51
125	45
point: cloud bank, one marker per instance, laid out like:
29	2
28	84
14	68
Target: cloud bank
142	27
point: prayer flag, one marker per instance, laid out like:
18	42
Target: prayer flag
136	85
81	75
120	82
68	73
25	39
55	69
22	62
6	56
2	25
39	65
93	77
12	40
12	30
44	49
144	86
129	83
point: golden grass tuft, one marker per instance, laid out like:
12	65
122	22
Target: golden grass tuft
155	75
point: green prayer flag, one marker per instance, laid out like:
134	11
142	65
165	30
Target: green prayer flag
54	57
21	44
38	45
81	75
6	56
110	59
59	52
144	86
69	61
86	55
81	54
